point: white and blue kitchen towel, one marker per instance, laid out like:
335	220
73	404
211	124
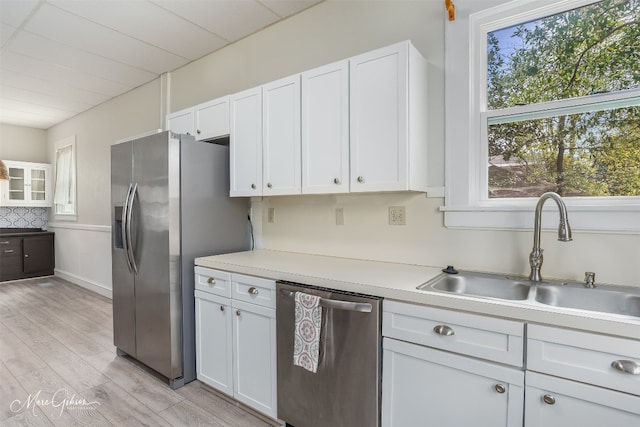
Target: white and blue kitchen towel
308	324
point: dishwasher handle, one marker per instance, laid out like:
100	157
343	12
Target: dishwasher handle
361	307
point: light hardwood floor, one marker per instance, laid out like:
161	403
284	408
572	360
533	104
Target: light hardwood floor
58	366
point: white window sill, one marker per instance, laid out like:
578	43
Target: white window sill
65	217
519	215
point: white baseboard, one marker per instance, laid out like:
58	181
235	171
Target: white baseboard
92	286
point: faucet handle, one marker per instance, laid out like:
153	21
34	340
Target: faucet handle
589	279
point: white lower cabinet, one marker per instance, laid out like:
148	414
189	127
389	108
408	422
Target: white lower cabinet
424	383
236	337
557	402
422	386
572	379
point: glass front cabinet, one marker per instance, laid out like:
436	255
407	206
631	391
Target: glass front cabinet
29	185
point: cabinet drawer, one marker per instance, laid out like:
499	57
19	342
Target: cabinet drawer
213	281
583	356
490	338
255	290
10	245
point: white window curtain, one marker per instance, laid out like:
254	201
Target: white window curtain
65	186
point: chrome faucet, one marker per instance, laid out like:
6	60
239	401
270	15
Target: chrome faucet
564	233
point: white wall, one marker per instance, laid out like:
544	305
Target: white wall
83	248
23	144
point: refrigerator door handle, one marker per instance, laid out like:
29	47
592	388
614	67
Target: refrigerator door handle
123	225
130	253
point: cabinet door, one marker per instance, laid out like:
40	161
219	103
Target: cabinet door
214	341
379	120
29	185
254	344
281	137
10	258
212	119
427	387
325	129
181	121
556	402
246	143
38	254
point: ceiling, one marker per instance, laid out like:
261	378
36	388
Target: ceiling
59	58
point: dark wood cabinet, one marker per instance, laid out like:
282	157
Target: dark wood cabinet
26	255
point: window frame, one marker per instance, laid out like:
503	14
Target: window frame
61	145
467	204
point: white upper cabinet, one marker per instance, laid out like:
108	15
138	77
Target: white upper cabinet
29	185
208	120
325	129
246	143
182	121
212	119
388	120
281	137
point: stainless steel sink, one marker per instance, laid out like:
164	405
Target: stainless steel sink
619	300
479	284
603	298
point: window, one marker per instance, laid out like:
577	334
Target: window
64	198
587	146
554	105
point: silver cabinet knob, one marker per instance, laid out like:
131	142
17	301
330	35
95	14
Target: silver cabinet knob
336	181
211	281
269	185
548	399
253	291
25	255
626	366
237	312
360	179
253	186
500	388
198	131
222	308
443	330
188	133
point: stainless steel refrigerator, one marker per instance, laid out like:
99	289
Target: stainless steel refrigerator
169	204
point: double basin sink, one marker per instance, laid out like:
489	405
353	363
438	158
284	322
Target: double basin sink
619	300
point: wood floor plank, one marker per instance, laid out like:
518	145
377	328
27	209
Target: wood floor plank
187	413
140	384
16	355
231	413
31	418
59	400
10	391
121	408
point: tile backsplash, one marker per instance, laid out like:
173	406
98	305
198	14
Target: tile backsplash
22	217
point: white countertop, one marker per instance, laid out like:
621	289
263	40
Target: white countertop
399	281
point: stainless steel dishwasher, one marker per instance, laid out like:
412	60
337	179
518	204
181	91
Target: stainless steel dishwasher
345	390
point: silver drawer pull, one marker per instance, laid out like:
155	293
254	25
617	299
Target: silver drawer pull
626	366
548	399
500	388
8	251
253	291
443	330
211	281
5	242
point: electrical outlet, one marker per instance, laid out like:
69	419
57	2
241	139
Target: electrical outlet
397	215
271	215
339	216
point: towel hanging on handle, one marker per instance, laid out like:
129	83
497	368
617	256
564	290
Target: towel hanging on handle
308	325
